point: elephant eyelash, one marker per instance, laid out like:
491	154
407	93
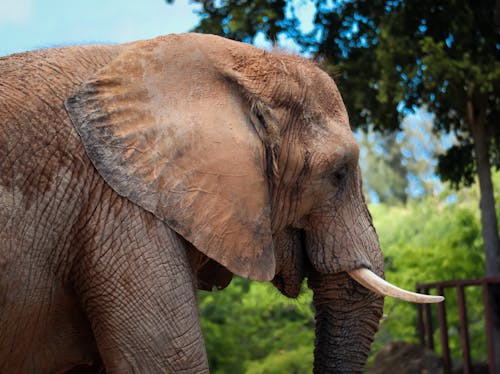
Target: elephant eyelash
267	131
261	119
265	118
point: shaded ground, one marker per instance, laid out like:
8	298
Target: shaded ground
401	357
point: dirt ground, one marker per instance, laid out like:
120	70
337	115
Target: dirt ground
407	358
401	357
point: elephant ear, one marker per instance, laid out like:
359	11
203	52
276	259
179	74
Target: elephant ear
169	130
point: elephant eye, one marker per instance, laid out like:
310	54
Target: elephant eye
339	175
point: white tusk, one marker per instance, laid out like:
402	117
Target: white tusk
376	284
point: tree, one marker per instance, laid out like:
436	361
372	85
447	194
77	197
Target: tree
401	165
251	328
393	56
428	240
382	165
243	19
421	148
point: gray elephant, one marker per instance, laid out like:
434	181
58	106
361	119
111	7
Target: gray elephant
133	174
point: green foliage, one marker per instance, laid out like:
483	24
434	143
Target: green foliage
444	55
244	19
431	241
401	165
249	324
384	172
457	165
296	361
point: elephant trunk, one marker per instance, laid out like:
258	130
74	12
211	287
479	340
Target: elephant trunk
347	317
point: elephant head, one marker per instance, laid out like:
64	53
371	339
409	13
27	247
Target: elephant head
249	156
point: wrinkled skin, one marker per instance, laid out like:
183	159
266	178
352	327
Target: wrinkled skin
133	174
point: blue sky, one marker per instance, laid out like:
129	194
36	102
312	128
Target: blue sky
34	24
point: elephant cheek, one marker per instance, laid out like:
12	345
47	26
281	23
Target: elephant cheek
338	247
290	262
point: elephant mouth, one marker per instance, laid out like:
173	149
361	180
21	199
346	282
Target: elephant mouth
290	285
374	283
371	281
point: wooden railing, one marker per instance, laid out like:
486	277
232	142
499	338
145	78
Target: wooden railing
425	328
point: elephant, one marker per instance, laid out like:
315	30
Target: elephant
134	174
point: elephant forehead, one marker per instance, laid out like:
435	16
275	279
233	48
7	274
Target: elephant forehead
334	143
326	96
328	131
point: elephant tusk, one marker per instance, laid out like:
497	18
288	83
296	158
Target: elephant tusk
381	287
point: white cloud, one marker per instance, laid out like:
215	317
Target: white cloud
18	11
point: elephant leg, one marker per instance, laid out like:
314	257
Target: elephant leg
137	289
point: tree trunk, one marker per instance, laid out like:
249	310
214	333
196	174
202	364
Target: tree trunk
347	317
476	118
